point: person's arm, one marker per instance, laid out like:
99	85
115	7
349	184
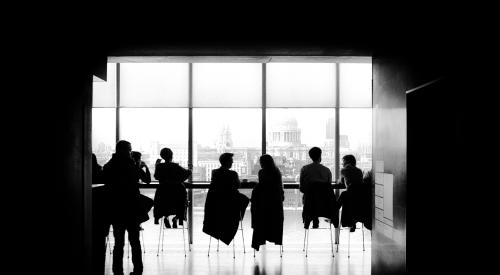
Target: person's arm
157	171
302	183
147	178
341	182
237	181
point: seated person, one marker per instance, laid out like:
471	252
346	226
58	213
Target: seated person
267	205
351	177
225	205
170	196
145	175
319	199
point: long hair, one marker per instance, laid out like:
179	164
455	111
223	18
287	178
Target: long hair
267	163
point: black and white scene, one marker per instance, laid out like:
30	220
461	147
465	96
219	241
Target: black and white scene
334	150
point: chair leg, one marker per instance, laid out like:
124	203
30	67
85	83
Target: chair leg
183	240
163	236
348	244
331	239
218	245
363	234
254	252
160	239
143	244
304	248
209	242
281	251
234	253
242	235
307	242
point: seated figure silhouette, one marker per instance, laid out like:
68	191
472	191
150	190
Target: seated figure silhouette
356	199
170	196
267	205
145	174
126	205
319	199
225	205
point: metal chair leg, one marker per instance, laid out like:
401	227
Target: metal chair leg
254	252
209	242
183	240
242	235
281	251
159	238
363	234
348	244
163	234
331	240
304	248
218	245
234	253
307	242
143	244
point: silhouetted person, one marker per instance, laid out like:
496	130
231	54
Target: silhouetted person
170	196
352	199
267	205
318	199
225	205
100	219
121	176
145	176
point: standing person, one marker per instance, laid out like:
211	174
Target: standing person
121	176
145	176
315	176
225	205
171	196
267	205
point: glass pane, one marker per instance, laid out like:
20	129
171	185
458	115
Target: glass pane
355	85
151	129
154	84
300	85
292	132
236	131
227	85
356	135
104	92
103	133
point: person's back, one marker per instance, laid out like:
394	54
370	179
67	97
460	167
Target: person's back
225	205
224	180
170	197
267	205
315	182
314	173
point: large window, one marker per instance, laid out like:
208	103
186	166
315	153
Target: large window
201	110
221	130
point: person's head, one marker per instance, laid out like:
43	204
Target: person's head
315	154
166	154
123	148
136	156
348	159
267	162
226	160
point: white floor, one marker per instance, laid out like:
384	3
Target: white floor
267	261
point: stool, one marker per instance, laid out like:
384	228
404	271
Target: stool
242	236
161	236
349	240
306	238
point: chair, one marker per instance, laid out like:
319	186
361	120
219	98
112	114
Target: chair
242	236
349	240
281	251
161	236
306	238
